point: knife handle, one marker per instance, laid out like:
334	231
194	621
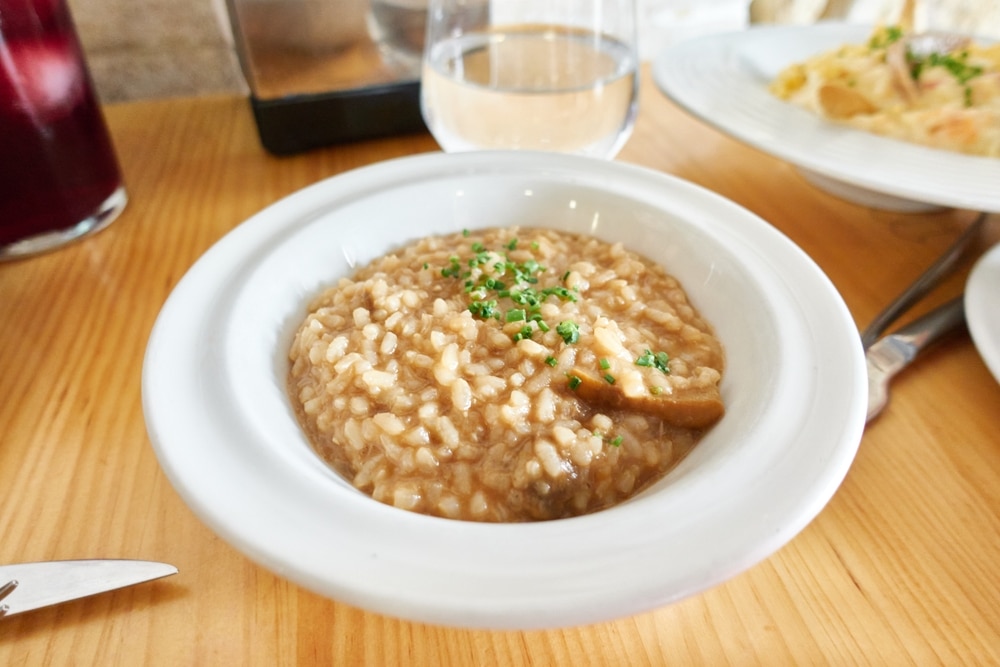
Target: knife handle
928	328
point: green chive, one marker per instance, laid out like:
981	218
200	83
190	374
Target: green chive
525	332
659	361
617	441
453	270
574	382
483	309
569	330
605	364
609	378
552	361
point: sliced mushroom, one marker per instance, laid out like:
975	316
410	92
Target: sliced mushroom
694	408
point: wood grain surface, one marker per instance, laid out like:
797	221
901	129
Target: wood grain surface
900	568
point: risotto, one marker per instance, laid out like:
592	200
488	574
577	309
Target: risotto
505	375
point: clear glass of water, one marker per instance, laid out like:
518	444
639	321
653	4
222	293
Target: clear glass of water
553	75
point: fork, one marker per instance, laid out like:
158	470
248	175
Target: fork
923	284
887	356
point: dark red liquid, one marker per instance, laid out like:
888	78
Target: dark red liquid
57	163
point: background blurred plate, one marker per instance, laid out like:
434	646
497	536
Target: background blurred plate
723	80
982	308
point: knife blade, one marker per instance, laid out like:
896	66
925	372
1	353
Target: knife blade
36	585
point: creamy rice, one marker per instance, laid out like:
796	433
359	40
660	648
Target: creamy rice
505	375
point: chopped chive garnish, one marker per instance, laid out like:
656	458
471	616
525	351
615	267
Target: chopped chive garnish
609	378
661	362
561	292
426	266
552	361
605	364
483	309
481	273
569	330
658	360
617	441
453	270
890	35
526	332
574	381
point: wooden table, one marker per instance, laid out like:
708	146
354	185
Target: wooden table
902	567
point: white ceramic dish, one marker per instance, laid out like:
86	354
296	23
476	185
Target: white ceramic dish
223	429
982	308
723	80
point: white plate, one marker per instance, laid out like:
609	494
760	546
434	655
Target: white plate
223	429
723	80
982	308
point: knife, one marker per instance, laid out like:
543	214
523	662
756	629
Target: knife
29	586
892	353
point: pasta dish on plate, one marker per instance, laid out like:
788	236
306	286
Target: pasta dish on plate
938	90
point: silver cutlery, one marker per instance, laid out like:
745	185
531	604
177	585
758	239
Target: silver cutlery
29	586
888	355
892	353
922	285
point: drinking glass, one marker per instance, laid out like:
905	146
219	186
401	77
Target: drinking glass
59	176
398	28
555	75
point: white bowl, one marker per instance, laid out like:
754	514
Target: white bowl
223	429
